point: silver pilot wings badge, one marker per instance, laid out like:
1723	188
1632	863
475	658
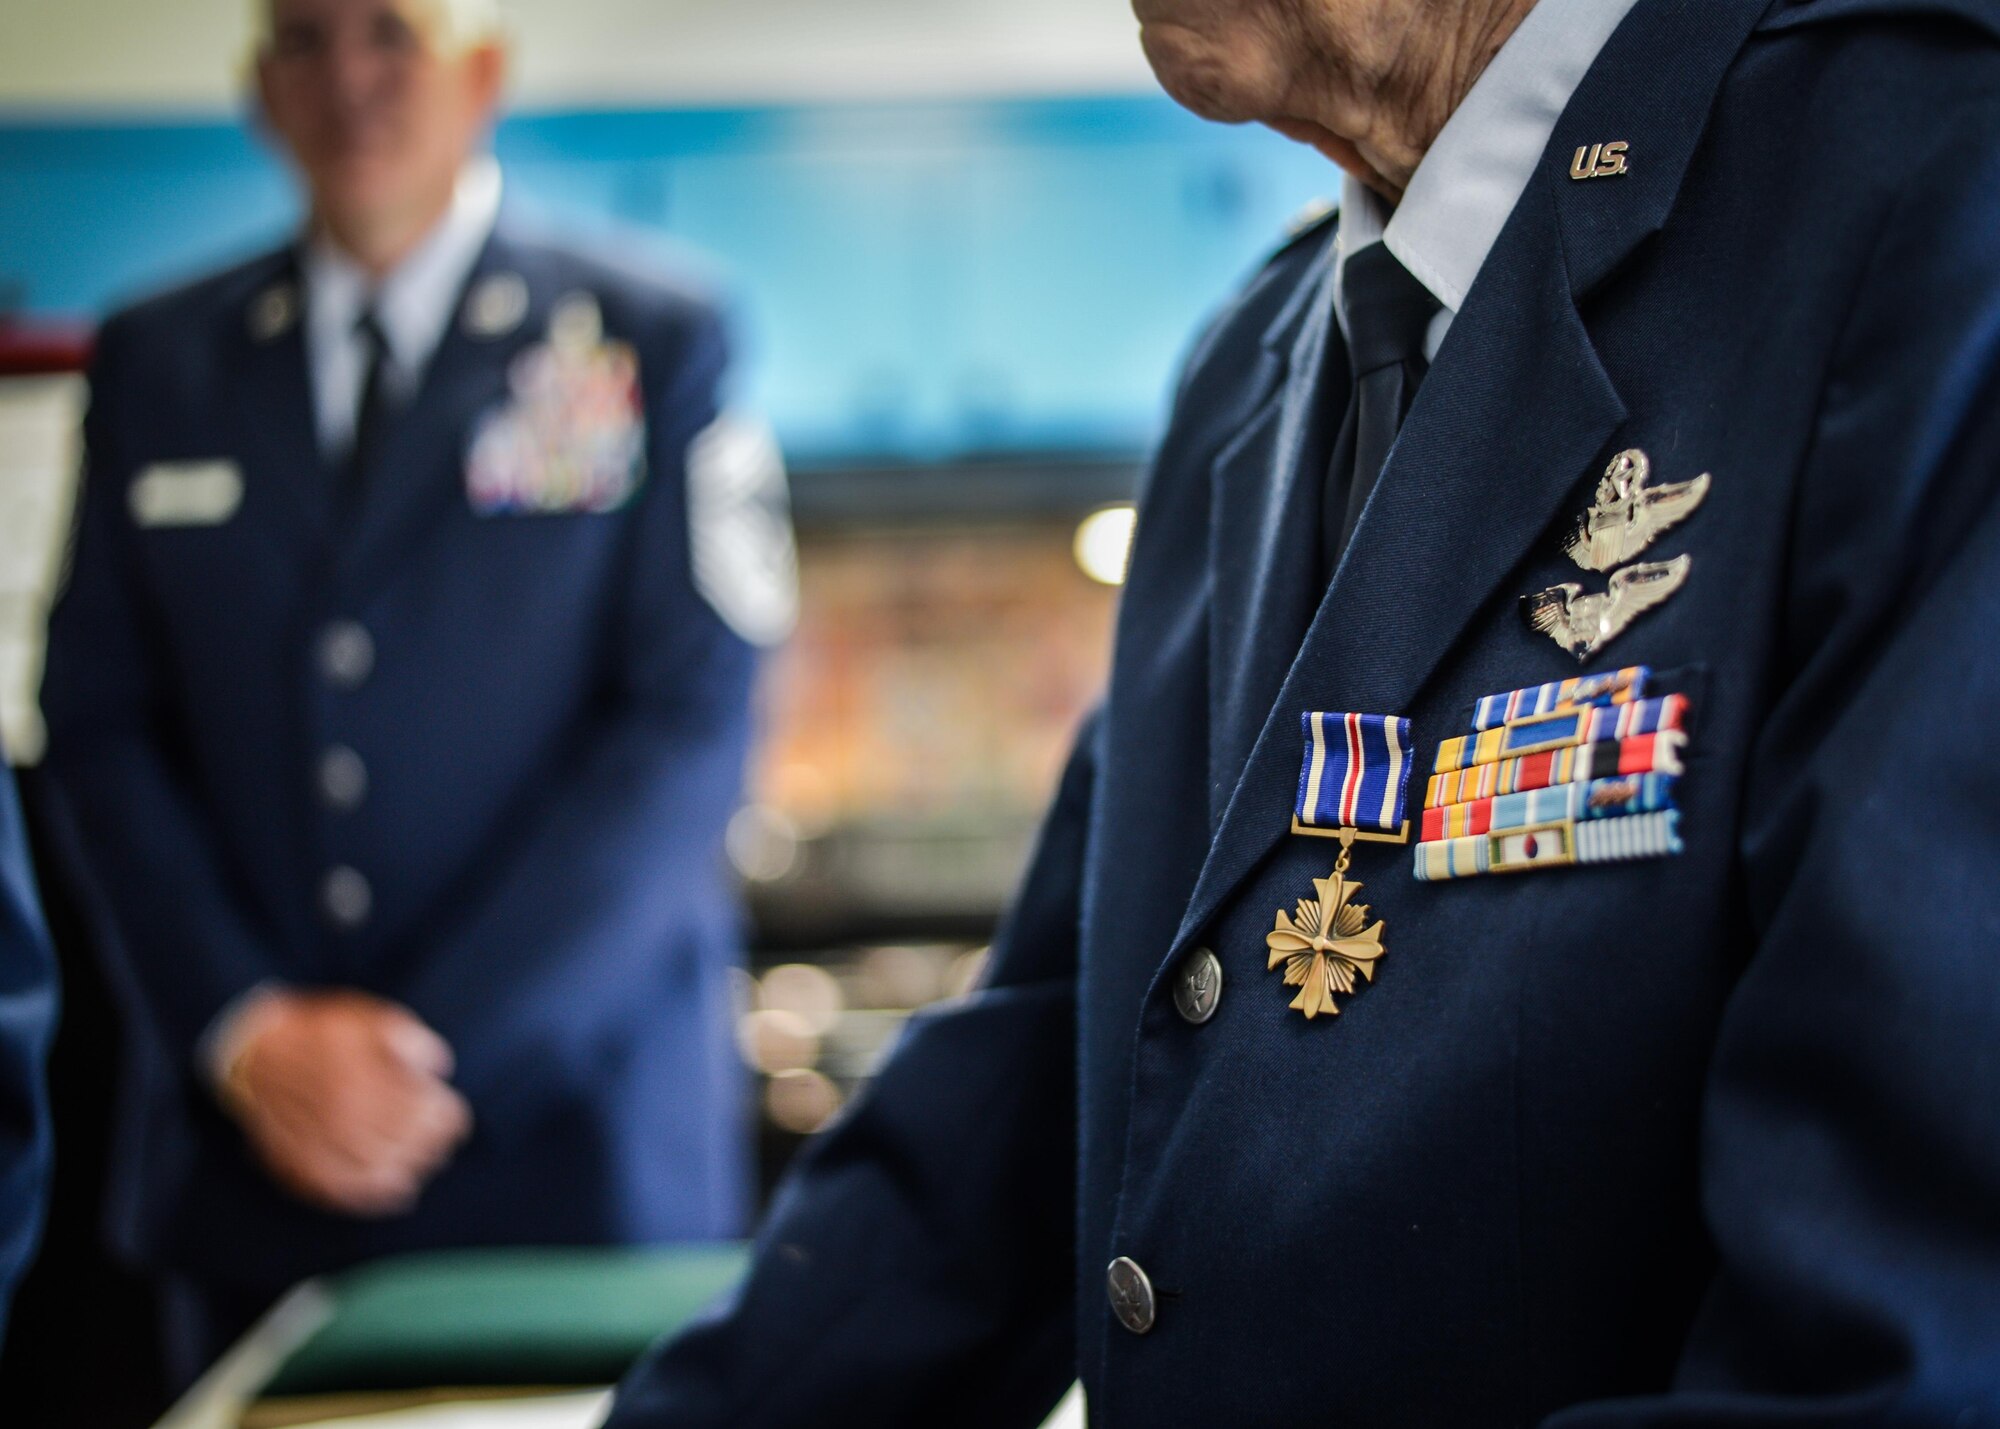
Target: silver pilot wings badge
1627	516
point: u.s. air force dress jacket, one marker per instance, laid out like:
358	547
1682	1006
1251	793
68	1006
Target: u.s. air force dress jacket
1710	1139
470	746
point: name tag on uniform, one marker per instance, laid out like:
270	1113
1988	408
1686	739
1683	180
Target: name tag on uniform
186	493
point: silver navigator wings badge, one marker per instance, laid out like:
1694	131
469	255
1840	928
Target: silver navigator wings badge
1628	516
1584	624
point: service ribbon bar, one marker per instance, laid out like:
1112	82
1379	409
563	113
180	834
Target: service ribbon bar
1591	799
1590	724
1560	845
1614	687
1356	773
1577	772
1641	754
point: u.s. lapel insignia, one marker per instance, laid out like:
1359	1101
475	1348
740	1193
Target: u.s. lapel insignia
1626	517
273	311
497	305
1354	787
1601	161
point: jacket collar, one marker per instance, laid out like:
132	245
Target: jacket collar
502	308
1652	89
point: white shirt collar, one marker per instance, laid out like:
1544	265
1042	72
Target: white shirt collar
1475	173
414	303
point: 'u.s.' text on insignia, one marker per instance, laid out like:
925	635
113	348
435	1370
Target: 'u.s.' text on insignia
1353	786
1579	772
497	305
273	312
1624	519
1628	515
1600	161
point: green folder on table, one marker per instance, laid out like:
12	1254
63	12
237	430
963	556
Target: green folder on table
494	1320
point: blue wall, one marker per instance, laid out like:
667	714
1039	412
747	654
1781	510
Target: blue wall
915	282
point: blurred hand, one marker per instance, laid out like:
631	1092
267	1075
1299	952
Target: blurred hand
344	1097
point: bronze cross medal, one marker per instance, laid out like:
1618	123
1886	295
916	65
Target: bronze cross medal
1353	788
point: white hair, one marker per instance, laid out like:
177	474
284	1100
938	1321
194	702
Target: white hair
452	25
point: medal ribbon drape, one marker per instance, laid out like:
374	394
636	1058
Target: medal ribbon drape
1356	773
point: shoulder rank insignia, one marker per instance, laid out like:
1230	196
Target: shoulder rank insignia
1353	786
1628	516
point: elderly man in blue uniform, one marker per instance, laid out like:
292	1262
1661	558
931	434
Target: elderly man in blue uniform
1590	543
400	698
27	1022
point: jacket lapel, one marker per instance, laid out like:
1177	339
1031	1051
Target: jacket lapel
272	395
1264	557
421	467
1509	427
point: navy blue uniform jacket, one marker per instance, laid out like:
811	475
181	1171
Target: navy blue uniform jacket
27	1021
553	725
1710	1140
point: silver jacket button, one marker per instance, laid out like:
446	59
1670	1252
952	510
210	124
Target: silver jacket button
346	898
343	779
1131	1295
346	654
1198	986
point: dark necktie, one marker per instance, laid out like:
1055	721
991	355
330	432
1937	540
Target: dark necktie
371	415
1388	313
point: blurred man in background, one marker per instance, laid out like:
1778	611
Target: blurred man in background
27	1022
399	697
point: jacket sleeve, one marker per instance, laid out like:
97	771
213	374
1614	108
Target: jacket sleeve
624	846
916	1267
139	837
27	1022
1851	1142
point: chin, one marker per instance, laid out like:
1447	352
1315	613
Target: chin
1198	76
1193	74
358	187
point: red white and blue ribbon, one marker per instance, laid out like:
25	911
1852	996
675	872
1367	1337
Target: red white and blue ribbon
1356	773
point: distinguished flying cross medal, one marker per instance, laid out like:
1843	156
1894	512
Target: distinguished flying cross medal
1353	786
1626	518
